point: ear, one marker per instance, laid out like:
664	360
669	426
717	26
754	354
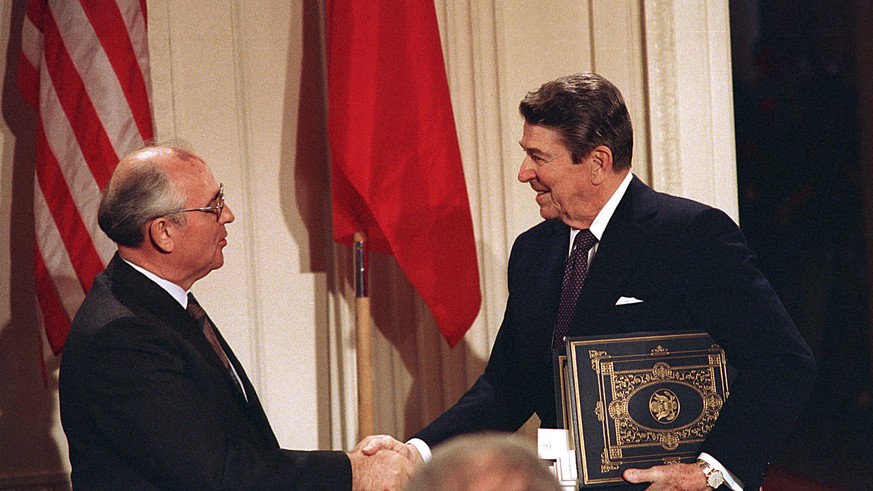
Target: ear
601	163
161	231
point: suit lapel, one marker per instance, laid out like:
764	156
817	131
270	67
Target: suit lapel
552	272
146	298
141	294
252	406
616	255
556	254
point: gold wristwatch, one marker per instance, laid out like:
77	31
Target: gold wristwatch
714	479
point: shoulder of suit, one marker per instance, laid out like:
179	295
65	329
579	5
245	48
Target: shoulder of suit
669	205
537	238
546	228
101	306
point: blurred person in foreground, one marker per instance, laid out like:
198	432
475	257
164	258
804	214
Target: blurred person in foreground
484	462
151	395
653	263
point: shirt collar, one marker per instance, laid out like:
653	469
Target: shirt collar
598	226
173	289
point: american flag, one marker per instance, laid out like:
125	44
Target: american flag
84	67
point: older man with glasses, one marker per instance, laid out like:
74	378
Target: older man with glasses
152	397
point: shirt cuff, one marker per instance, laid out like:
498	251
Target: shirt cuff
423	449
730	480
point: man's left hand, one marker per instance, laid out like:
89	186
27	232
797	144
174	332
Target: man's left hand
675	477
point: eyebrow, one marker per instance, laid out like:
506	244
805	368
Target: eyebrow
533	151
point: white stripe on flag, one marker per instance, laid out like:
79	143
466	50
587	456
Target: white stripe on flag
83	187
97	74
31	42
61	162
55	256
136	25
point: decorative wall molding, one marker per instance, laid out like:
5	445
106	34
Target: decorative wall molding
690	97
663	123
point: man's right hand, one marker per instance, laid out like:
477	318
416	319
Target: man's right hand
384	470
372	444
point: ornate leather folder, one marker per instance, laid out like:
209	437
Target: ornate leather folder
640	400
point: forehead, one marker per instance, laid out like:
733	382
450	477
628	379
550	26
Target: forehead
541	138
193	176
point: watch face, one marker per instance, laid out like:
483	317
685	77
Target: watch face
715	479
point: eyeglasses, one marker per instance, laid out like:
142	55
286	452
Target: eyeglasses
217	209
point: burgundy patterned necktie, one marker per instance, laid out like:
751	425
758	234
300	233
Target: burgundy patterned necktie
200	316
574	278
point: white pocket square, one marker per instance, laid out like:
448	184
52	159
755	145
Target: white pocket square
627	300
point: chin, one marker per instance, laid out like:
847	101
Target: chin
548	213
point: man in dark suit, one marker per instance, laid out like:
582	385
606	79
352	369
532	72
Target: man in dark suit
152	397
657	263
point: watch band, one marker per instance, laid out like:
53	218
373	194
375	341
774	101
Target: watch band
714	477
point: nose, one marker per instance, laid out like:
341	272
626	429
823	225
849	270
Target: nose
526	172
227	215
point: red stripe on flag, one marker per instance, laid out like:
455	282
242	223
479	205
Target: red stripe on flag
90	134
53	314
114	36
28	70
396	164
34	11
66	216
88	138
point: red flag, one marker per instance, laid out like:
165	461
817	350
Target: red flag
396	164
84	68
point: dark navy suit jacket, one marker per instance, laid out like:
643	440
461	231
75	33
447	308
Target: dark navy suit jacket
147	404
691	267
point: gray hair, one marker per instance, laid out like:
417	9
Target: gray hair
587	111
135	196
486	461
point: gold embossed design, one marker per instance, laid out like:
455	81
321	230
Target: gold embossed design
669	441
716	359
618	410
625	385
650	384
660	351
662	371
615	453
606	464
595	359
629	431
664	406
712	403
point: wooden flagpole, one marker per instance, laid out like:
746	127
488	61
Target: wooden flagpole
364	337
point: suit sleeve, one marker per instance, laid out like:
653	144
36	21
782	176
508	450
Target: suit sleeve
775	368
502	399
149	400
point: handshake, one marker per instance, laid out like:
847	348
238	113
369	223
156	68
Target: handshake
380	462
